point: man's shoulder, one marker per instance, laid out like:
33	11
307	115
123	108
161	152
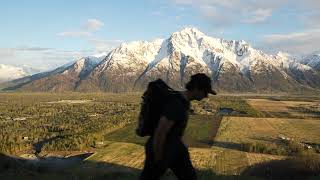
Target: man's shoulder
177	99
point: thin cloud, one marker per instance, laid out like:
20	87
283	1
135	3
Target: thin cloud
104	45
296	43
5	52
310	4
277	38
74	34
87	33
312	20
178	17
156	13
93	24
258	16
32	49
261	10
227	13
41	57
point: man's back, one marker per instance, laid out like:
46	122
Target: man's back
176	110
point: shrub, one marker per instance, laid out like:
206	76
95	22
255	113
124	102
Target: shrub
257	147
290	148
295	148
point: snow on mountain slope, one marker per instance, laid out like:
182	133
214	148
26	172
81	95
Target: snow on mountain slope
63	78
132	54
82	66
312	60
222	58
233	65
193	43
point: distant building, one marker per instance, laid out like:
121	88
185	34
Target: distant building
100	143
20	119
25	138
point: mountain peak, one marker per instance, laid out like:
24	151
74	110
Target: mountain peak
187	33
312	60
191	30
100	55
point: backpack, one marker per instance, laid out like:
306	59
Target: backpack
153	102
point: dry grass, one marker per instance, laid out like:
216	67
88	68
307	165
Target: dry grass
296	109
247	129
71	101
125	154
221	161
256	158
268	105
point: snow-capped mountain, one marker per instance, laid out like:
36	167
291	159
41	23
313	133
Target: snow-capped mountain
312	60
233	65
64	78
119	70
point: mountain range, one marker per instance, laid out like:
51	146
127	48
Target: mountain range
312	61
234	66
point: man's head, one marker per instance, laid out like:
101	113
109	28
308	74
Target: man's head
200	86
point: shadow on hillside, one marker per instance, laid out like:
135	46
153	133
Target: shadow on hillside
305	110
307	167
228	145
38	146
17	168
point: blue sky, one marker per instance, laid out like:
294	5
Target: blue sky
49	33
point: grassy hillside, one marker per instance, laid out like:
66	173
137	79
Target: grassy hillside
67	127
199	132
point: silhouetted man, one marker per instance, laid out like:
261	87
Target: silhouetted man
165	149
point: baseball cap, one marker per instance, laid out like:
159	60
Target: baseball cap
203	82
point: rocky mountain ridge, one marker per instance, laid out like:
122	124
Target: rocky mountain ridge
234	66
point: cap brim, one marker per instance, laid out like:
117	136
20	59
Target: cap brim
212	92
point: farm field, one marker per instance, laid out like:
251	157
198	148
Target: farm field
283	108
92	136
260	129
